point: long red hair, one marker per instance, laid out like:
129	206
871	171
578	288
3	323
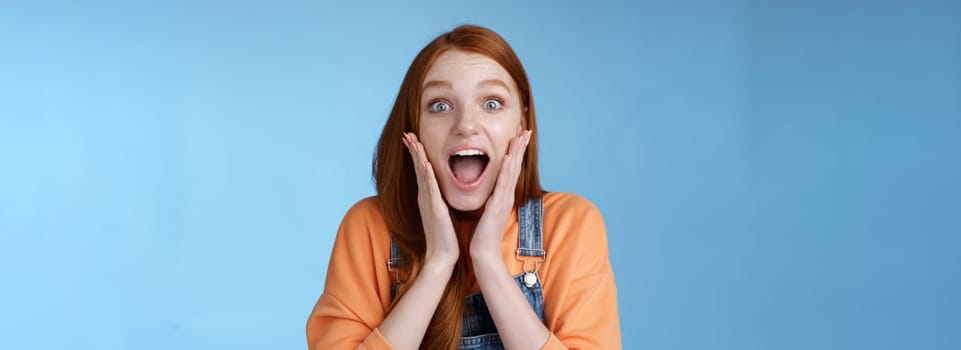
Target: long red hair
396	181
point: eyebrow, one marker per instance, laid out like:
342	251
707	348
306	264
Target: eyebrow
495	82
448	85
437	83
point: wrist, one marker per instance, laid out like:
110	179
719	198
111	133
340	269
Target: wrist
485	246
485	257
440	257
487	266
439	266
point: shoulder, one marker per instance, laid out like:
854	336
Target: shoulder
571	217
560	205
575	235
364	216
364	208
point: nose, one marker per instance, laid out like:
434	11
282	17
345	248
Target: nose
466	123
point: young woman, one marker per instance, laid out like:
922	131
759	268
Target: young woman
461	248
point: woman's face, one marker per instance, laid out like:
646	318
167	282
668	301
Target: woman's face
469	111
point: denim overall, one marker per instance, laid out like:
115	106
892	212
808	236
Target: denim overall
479	332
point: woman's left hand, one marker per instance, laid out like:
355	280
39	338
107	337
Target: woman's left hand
490	229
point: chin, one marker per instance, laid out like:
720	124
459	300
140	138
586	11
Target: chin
467	201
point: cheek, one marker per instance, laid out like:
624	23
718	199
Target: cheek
433	146
506	132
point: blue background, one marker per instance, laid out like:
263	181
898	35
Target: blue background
773	174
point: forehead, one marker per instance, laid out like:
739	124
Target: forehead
466	67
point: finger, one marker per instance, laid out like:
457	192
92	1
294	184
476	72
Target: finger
519	142
521	151
503	195
506	180
427	178
511	168
410	147
419	154
516	151
430	179
415	158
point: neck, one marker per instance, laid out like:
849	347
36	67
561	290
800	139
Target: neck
466	222
466	216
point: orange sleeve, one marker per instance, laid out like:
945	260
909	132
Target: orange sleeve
584	295
353	305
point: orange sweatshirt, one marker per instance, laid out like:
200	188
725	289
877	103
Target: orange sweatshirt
580	298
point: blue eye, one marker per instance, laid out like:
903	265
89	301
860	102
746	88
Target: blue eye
439	106
492	104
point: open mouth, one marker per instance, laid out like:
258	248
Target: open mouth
468	165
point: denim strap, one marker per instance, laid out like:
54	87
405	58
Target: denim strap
396	258
530	217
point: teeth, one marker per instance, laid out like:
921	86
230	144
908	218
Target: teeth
469	152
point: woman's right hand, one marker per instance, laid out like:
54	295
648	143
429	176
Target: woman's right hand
442	247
